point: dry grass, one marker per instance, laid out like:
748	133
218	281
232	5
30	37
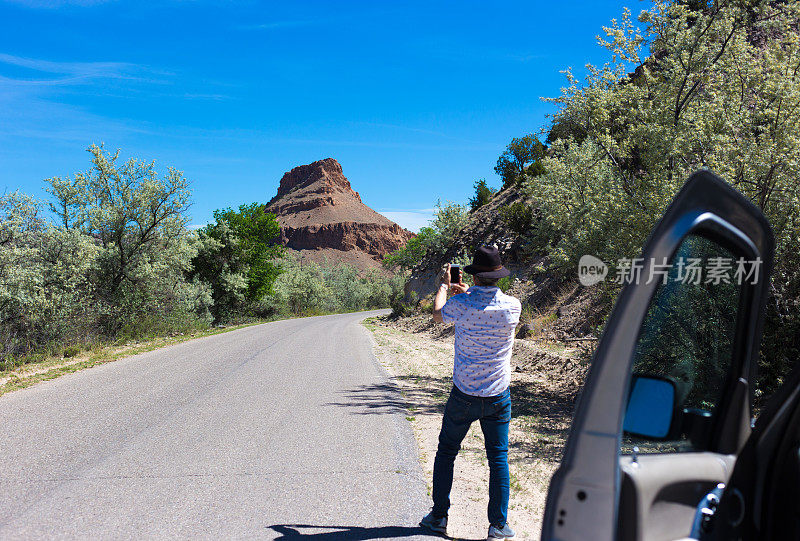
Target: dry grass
50	368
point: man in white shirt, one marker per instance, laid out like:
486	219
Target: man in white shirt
485	319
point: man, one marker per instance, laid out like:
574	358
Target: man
485	319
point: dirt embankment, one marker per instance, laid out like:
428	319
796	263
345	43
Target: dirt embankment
546	378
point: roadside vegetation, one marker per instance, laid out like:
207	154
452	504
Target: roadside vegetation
687	84
448	220
114	261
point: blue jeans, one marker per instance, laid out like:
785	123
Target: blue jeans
494	413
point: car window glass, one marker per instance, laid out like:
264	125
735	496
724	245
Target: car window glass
687	338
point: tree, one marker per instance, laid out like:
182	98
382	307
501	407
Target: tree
483	194
448	220
301	289
237	257
257	231
720	89
411	254
523	156
45	293
127	208
517	216
138	221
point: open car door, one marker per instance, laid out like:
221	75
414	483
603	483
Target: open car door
666	406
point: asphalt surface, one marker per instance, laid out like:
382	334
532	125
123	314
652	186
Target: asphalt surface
287	430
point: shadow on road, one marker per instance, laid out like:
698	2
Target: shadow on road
425	395
291	531
545	412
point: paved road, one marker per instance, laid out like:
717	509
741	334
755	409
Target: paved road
283	430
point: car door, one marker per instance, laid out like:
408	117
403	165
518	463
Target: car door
686	412
762	497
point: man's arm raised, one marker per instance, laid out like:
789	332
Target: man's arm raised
441	294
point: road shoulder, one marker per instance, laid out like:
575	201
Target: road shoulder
419	358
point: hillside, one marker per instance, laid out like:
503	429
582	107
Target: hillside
554	307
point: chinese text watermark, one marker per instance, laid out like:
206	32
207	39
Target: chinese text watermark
686	270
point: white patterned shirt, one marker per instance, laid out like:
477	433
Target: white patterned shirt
485	320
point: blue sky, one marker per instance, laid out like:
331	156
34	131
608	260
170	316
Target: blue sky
415	99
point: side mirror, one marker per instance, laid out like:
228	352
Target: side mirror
652	410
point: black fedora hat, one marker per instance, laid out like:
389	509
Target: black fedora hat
486	264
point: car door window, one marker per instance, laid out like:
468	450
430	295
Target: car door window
688	334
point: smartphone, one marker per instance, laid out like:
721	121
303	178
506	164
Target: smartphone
455	274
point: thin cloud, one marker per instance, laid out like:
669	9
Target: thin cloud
452	51
8	81
278	25
67	73
55	4
107	69
214	97
383	144
404	128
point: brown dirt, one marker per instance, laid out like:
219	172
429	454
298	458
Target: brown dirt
545	380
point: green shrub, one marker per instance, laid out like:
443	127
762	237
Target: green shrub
517	216
505	283
308	288
400	308
46	288
448	221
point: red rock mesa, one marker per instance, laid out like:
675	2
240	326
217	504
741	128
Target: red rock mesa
322	218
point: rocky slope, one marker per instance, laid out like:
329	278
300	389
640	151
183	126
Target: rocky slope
485	227
555	307
323	218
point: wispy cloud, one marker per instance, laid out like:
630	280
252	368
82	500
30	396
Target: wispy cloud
404	128
31	92
89	68
55	4
214	97
67	73
34	118
278	25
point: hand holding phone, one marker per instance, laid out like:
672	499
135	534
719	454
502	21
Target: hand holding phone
455	274
457	284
